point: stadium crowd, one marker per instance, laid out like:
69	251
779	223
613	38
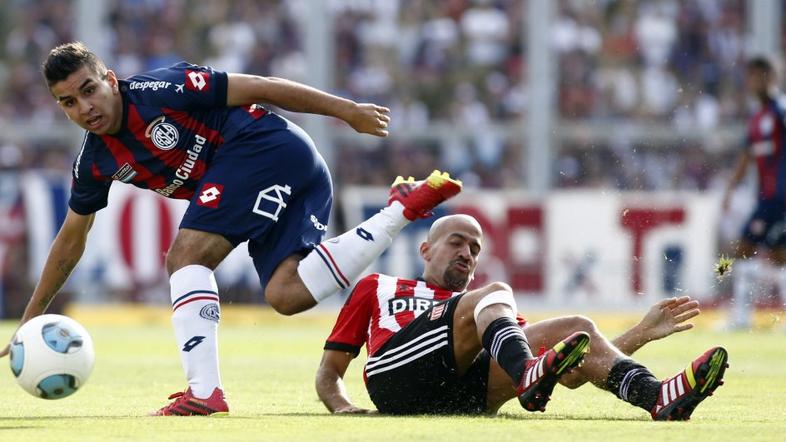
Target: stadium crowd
459	62
451	63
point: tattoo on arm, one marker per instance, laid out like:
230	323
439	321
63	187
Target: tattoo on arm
64	268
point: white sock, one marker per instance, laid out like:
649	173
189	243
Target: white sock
335	264
195	315
742	299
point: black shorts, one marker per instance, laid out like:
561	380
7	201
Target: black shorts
415	371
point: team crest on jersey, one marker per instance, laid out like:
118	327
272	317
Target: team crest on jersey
163	134
437	312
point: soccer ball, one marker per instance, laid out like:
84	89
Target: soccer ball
51	356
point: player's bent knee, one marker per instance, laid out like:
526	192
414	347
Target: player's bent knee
280	303
582	323
287	300
173	262
502	296
276	298
286	292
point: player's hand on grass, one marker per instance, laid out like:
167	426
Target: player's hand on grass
5	351
669	316
351	409
368	118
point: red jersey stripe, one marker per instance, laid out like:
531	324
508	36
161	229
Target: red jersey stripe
173	158
123	155
185	120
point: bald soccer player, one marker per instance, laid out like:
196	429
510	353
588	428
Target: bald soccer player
436	348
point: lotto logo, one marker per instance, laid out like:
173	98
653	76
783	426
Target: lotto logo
210	195
193	342
197	81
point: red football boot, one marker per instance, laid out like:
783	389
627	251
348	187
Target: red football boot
185	404
680	394
420	197
542	373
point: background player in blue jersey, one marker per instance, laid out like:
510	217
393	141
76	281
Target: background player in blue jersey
765	144
192	132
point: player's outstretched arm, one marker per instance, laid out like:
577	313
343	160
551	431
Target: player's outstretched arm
663	318
66	250
330	383
366	118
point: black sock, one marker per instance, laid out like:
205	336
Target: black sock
506	343
633	383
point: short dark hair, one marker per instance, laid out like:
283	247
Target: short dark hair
760	63
68	58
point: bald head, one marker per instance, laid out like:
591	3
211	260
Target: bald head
446	223
450	252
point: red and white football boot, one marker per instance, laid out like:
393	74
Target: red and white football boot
419	198
679	395
185	404
543	373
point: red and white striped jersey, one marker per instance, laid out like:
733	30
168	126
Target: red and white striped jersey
378	307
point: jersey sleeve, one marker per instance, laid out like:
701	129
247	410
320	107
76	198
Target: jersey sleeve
88	194
182	86
351	329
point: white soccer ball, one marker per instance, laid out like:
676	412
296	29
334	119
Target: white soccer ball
51	356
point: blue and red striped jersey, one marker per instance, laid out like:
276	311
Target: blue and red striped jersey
174	119
765	140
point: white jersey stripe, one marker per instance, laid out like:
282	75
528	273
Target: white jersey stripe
395	350
422	291
79	157
408	360
387	357
386	290
384	362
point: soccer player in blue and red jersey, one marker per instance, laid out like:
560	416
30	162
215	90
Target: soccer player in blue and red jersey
435	348
195	133
766	228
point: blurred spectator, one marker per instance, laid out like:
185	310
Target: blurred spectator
452	72
435	64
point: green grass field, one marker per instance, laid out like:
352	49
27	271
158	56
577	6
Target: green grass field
268	363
